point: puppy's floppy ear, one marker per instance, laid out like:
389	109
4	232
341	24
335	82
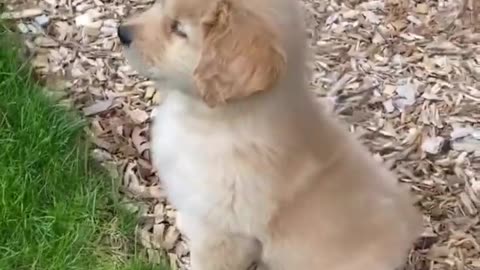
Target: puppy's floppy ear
241	55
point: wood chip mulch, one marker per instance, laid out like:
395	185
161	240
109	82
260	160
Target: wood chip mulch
403	74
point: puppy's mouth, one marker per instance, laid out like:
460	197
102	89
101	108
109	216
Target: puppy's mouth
134	58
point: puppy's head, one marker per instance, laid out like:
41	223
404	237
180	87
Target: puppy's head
217	50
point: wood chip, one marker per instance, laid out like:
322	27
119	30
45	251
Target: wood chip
23	14
433	145
98	107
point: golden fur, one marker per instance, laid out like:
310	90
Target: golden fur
257	172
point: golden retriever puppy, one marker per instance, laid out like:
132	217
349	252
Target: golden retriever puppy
257	172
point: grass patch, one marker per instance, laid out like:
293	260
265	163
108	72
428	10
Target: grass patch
56	211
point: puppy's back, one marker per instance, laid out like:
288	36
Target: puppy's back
351	214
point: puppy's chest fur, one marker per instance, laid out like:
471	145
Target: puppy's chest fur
200	167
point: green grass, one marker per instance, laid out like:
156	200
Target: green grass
56	210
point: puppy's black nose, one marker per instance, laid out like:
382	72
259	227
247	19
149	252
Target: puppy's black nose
125	34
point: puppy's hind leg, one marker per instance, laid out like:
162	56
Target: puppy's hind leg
213	249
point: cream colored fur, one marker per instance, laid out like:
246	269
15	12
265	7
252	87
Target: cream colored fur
257	172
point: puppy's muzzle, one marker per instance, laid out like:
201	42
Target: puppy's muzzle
125	34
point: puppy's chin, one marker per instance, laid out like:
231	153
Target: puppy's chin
144	70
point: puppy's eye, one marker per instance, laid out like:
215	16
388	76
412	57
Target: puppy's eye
177	29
